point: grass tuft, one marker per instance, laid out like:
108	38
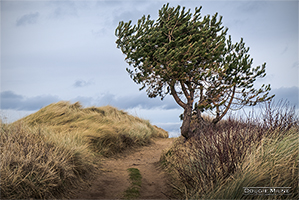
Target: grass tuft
256	152
272	163
34	165
133	191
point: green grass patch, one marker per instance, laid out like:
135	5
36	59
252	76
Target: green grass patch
133	191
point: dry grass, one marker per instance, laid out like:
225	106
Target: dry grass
33	165
273	162
51	152
260	152
107	129
201	163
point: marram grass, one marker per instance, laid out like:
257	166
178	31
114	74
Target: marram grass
272	163
197	172
35	165
106	129
48	154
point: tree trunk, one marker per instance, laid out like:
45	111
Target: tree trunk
199	124
185	128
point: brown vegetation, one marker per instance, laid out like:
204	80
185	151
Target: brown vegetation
33	165
106	129
51	152
235	154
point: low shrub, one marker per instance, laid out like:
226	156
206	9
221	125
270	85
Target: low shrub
273	162
201	163
231	155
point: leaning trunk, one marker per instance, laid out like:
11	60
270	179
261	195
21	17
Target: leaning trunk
185	128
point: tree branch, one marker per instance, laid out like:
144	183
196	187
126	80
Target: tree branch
218	118
187	95
176	97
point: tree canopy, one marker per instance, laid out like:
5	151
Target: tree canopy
191	58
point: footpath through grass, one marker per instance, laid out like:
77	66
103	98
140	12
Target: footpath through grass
49	153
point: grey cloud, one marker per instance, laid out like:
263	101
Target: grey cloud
61	12
250	7
128	102
290	94
10	95
108	3
295	64
136	11
63	9
99	33
28	19
10	100
13	101
127	16
284	50
141	100
82	83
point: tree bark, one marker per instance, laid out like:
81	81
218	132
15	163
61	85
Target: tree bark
185	128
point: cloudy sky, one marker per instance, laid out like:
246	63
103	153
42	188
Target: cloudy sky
65	50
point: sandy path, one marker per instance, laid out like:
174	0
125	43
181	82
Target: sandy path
113	179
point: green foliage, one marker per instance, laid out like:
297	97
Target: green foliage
134	190
190	57
173	49
135	176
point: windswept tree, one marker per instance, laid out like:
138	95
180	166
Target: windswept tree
192	59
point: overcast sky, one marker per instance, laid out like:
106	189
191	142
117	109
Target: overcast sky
65	50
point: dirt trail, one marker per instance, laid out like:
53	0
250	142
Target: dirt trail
114	178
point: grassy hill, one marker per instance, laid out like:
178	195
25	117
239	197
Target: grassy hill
106	129
50	152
